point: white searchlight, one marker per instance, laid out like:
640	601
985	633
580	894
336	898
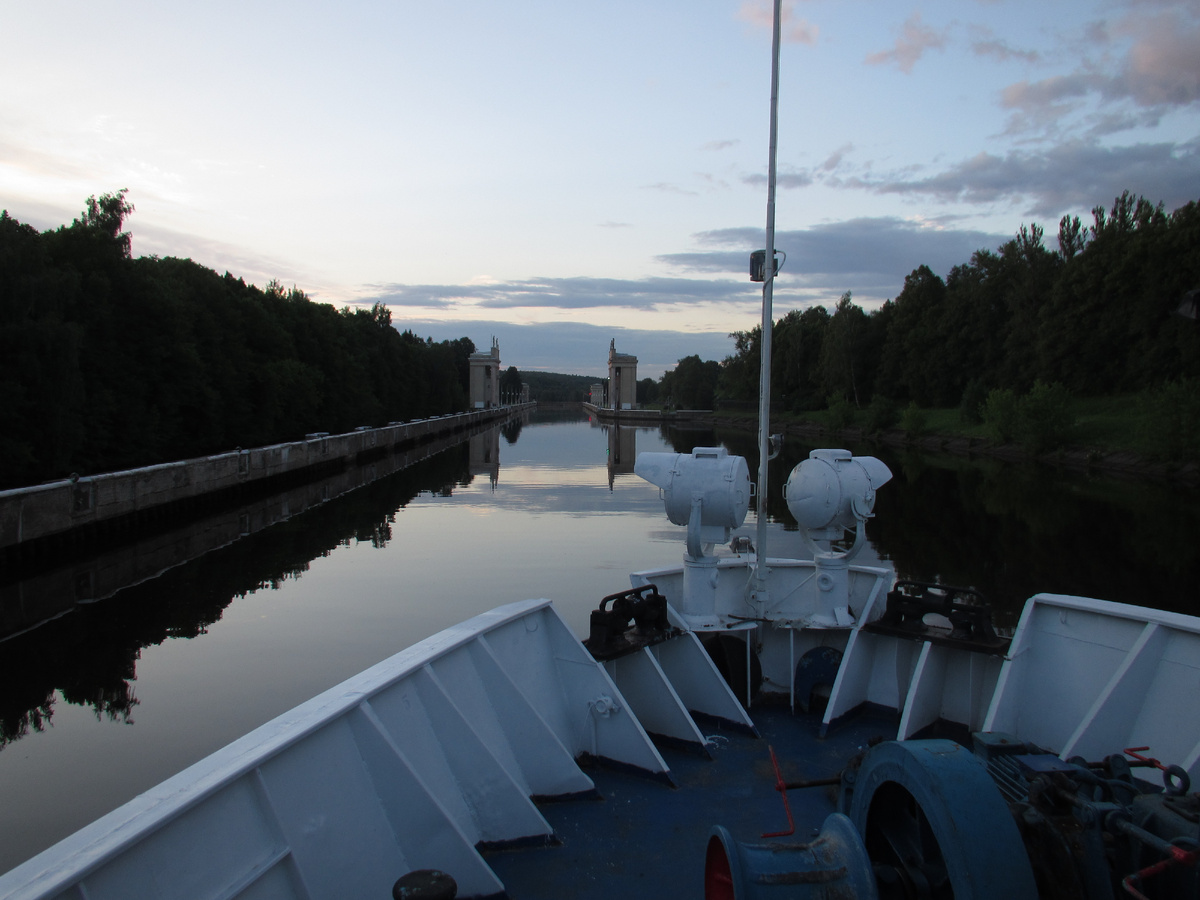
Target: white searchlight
830	493
708	491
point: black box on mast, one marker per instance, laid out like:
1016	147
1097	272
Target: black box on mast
758	265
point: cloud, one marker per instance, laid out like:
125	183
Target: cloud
593	293
38	162
868	256
1163	65
576	348
915	38
1001	51
794	30
253	268
44	216
1073	175
1044	106
668	188
782	179
1148	61
559	293
423	296
712	181
864	254
835	158
720	145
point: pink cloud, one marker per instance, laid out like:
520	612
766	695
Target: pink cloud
915	38
1163	65
792	29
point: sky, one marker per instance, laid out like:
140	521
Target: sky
559	175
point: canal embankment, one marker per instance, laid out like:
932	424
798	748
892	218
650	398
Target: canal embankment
50	587
1116	462
647	416
45	518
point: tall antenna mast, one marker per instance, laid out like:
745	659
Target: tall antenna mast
764	379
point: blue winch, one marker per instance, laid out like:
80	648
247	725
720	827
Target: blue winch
1005	819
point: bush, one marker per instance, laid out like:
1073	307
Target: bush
1001	413
882	414
1045	419
970	409
914	420
841	413
1175	409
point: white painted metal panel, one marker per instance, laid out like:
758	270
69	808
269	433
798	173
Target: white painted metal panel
1090	677
516	732
876	669
201	856
653	700
696	680
407	765
951	684
340	835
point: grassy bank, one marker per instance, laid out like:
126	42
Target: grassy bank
1121	433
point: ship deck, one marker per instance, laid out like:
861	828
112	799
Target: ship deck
643	838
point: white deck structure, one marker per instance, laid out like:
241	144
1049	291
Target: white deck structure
411	764
1081	677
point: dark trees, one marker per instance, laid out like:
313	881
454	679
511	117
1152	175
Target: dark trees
108	362
913	354
692	384
1098	316
647	391
510	384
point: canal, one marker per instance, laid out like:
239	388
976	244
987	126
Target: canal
225	623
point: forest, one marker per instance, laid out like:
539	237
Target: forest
110	362
554	387
1098	316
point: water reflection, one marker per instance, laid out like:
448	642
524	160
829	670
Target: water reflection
1011	530
484	456
512	428
90	655
622	451
40	590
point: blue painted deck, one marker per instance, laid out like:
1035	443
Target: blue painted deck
645	839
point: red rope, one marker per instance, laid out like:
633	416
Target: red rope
781	786
1178	856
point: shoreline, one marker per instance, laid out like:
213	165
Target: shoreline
1083	459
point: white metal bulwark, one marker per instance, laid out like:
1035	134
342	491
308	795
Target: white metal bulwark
411	764
669	682
1082	677
1089	677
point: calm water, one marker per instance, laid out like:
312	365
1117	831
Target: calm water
113	696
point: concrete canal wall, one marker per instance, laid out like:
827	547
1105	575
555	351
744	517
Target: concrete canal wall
58	587
645	416
35	515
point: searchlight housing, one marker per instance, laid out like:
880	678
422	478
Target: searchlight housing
833	492
707	490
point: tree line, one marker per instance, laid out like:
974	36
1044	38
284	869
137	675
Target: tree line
555	387
110	362
1096	317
